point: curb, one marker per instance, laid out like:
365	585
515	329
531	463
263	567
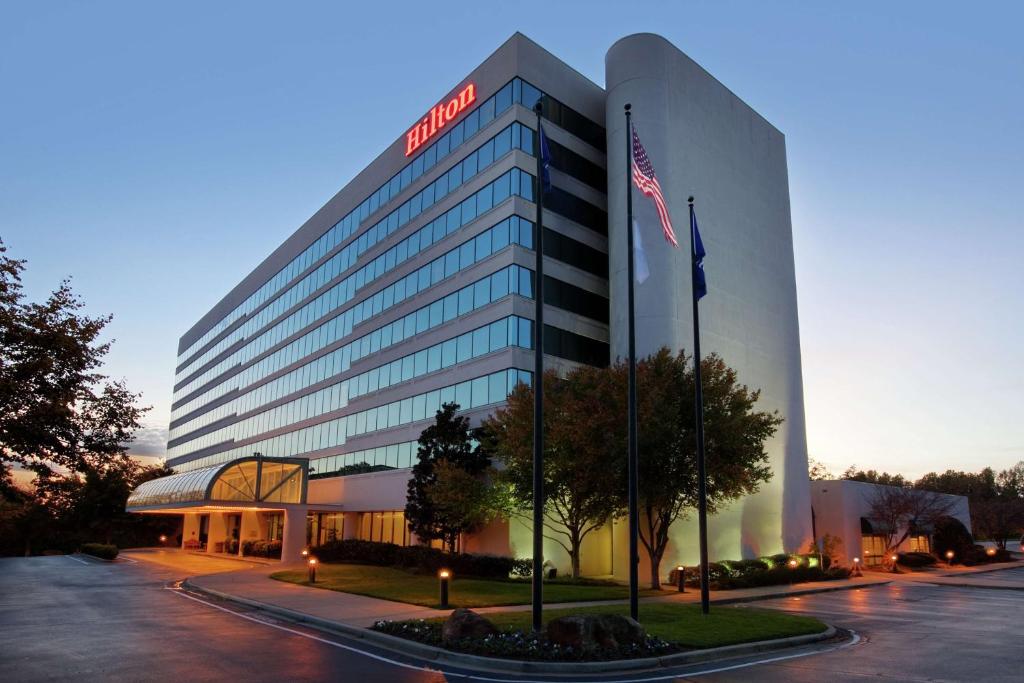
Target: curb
493	664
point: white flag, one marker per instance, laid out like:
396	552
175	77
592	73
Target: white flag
642	272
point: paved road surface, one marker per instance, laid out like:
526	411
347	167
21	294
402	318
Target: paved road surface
75	619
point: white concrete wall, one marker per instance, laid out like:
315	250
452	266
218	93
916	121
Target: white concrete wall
704	141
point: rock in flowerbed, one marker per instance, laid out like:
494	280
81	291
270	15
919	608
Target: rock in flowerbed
568	639
465	623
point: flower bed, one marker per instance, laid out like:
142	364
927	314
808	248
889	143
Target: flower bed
519	645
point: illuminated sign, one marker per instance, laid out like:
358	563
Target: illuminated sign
438	118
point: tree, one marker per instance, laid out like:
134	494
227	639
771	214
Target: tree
1011	482
998	519
448	444
980	486
901	510
461	500
874	477
734	437
583	463
56	409
818	471
585	447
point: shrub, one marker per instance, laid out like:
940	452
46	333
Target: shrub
100	550
978	554
951	534
269	549
421	558
915	559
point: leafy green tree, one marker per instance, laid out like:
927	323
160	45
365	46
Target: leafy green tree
734	436
460	499
56	409
583	463
975	486
450	444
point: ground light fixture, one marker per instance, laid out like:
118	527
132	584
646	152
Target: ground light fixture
894	557
991	552
681	579
856	567
793	563
444	576
163	539
305	552
949	557
312	564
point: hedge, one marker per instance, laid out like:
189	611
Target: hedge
100	550
915	559
768	571
269	549
420	558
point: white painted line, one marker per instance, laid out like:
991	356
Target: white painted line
128	559
768	660
79	561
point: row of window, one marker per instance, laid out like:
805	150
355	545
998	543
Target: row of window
575	347
509	280
579	167
510	331
395	456
575	253
513	182
465	255
495	148
474	393
513	279
517	91
561	294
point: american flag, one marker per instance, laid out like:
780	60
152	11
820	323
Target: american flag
647	182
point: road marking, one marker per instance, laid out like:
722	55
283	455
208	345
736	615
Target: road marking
79	561
703	672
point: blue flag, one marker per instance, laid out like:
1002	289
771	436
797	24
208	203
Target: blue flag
700	285
545	161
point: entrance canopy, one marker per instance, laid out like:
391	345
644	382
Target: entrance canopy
246	482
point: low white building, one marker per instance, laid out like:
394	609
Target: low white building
842	509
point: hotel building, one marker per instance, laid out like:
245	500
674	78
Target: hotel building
299	397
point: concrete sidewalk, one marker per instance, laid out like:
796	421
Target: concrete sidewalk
358	610
983	576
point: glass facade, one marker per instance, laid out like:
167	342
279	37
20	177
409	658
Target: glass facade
331	349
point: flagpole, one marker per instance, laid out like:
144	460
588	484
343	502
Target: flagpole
538	395
702	489
634	521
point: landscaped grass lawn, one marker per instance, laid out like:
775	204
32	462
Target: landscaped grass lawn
684	624
389	583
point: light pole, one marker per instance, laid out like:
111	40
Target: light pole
444	576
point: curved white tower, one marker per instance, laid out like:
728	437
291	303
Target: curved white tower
706	142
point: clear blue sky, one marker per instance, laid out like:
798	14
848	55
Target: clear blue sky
157	152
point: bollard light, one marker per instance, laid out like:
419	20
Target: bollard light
856	567
444	576
312	563
991	552
681	579
793	563
949	558
305	552
163	539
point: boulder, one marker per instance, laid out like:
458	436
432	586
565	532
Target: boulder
465	623
590	632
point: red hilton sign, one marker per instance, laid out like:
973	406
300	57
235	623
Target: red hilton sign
438	118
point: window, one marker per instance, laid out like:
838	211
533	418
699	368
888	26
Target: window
873	549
